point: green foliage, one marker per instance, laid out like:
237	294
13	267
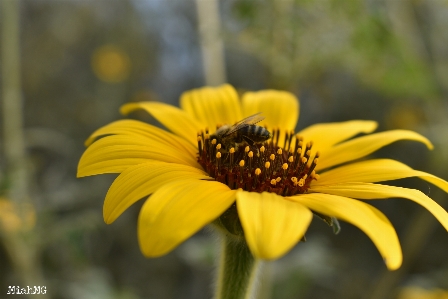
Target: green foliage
388	64
304	38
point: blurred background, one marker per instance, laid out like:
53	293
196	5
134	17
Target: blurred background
68	65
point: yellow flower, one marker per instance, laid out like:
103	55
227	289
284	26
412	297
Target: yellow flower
269	189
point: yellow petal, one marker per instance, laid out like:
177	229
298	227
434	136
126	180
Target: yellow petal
212	106
113	154
365	145
376	170
142	180
272	225
327	135
141	130
177	121
178	210
280	108
367	218
377	191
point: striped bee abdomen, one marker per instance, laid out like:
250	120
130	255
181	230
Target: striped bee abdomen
255	133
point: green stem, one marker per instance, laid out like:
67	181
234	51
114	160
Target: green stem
238	270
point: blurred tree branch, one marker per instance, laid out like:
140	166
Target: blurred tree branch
20	244
212	46
14	144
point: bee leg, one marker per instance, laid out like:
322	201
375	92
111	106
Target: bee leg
252	145
248	140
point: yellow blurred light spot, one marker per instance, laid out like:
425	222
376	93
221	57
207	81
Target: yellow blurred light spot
405	116
10	220
111	64
420	293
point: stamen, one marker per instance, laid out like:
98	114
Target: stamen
241	170
199	144
207	145
291	134
285	142
267	173
299	141
232	154
302	165
290	162
294	180
277	137
313	165
297	156
307	154
250	155
309	145
257	174
272	158
261	158
213	147
285	170
218	162
280	157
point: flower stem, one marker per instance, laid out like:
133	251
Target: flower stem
238	270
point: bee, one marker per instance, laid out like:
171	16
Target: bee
243	130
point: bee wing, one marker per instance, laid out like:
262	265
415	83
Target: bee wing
250	120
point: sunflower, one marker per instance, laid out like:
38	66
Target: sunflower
264	192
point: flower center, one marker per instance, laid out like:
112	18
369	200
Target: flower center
285	170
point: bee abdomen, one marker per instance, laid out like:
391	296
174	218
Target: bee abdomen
256	133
